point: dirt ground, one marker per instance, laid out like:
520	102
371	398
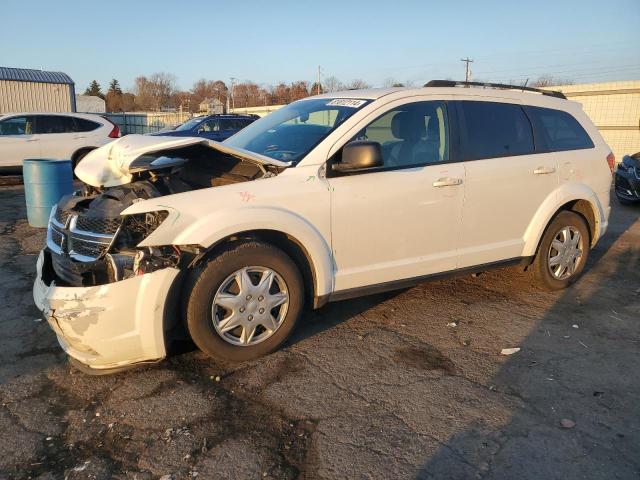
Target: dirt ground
409	384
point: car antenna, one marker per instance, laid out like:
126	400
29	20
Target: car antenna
525	84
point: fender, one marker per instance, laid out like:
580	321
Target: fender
565	193
209	229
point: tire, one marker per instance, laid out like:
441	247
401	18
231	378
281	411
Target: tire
541	266
214	280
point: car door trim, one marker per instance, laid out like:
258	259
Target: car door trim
410	282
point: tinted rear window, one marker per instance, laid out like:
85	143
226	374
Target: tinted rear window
83	125
46	124
557	130
494	130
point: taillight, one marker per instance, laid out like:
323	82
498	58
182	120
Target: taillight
115	133
611	160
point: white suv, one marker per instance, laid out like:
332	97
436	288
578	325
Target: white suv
59	136
328	198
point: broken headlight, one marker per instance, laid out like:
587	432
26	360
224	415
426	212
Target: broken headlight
125	259
137	227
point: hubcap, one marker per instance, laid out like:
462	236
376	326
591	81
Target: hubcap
250	305
565	253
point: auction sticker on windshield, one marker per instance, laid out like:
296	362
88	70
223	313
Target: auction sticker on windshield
346	102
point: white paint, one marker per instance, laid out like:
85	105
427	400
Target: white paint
58	146
358	230
111	165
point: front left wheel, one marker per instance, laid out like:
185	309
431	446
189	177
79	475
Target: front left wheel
244	303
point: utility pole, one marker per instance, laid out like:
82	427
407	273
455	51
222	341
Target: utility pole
467	61
318	82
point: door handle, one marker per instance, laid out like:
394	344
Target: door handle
544	170
76	138
447	182
33	140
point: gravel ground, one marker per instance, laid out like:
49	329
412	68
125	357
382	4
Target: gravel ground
409	384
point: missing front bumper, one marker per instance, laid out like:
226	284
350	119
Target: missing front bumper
107	326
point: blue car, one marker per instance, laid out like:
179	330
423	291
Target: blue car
214	127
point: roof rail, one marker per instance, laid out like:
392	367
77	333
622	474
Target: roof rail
453	83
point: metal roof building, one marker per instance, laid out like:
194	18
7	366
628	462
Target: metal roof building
26	90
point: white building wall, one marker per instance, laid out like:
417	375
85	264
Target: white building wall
34	97
90	104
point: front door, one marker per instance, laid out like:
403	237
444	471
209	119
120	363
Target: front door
403	220
18	141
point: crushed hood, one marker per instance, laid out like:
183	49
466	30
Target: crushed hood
111	165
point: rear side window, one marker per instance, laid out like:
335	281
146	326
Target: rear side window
46	124
557	130
228	124
492	129
84	125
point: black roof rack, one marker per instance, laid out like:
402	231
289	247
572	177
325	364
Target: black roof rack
453	83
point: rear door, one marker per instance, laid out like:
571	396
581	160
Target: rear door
506	181
57	134
18	140
89	133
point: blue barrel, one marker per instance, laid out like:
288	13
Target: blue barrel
45	182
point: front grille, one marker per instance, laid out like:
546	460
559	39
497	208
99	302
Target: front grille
84	239
61	216
57	238
102	226
86	249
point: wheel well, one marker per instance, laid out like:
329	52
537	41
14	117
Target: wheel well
582	208
284	242
80	151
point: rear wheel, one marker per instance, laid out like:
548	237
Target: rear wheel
245	302
563	251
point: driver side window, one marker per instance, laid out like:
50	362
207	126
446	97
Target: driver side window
17	126
210	126
413	134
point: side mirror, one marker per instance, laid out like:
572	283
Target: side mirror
359	155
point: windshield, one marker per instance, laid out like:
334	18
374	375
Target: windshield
189	124
289	133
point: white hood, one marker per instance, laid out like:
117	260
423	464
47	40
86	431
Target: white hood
110	165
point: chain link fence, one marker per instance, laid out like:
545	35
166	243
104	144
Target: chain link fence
147	122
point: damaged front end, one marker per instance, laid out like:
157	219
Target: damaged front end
106	297
92	244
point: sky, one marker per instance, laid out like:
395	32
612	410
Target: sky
284	41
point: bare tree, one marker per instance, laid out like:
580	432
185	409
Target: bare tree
333	84
358	84
548	81
155	92
391	82
207	89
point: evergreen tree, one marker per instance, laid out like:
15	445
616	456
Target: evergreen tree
114	87
94	90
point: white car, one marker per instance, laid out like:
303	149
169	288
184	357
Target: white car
328	198
60	136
